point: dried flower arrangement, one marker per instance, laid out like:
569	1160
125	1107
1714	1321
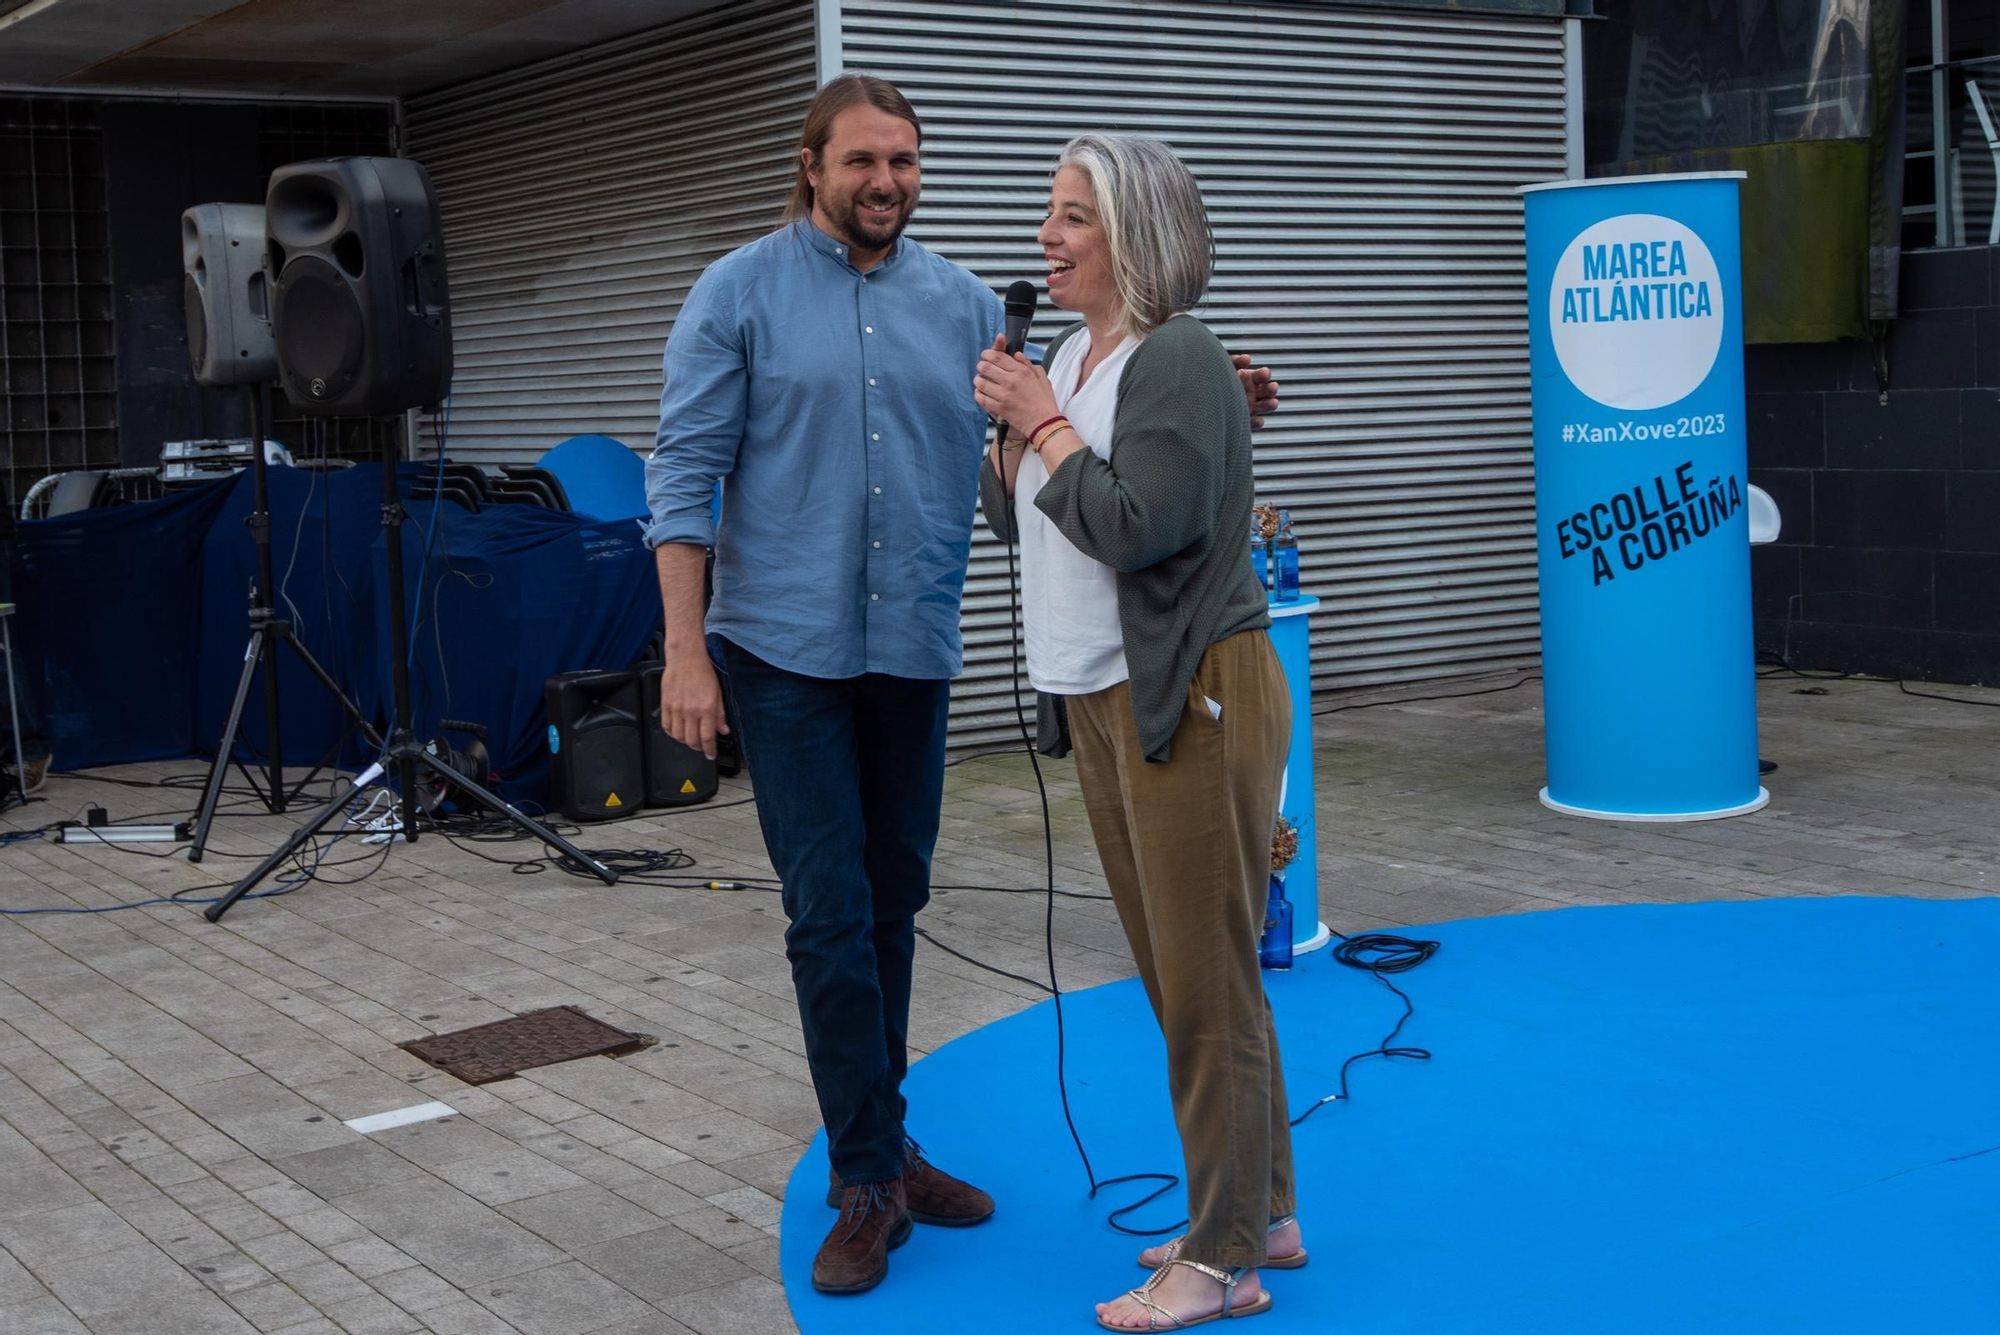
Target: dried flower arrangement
1284	845
1267	520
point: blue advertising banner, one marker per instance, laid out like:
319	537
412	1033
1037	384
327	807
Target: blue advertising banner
1635	328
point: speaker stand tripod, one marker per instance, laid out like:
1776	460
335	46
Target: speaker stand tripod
267	632
403	756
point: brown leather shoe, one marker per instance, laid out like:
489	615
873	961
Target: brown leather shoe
855	1256
935	1196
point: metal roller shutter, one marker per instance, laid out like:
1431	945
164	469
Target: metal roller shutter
1359	168
581	197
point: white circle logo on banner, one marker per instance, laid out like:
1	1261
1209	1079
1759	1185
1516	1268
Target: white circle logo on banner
1635	311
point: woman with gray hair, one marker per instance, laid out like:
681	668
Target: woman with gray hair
1126	482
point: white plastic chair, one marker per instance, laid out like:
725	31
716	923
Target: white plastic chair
1977	99
1765	521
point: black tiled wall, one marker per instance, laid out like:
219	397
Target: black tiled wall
1889	558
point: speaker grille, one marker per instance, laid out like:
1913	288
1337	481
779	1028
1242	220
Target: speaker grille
320	325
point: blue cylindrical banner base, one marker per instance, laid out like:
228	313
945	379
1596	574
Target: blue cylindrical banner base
1641	485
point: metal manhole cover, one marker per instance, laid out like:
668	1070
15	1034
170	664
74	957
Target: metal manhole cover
495	1051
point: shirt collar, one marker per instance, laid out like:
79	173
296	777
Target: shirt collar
836	249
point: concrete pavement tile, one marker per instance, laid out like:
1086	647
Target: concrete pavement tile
717	1227
606	1170
285	1199
514	1175
370	1258
272	1306
284	1252
662	1264
200	1314
17	1286
467	1317
769	1172
449	1231
778	1102
245	1172
700	1178
325	1284
168	1169
447	1140
36	1183
760	1255
66	1234
325	1227
660	1197
723	1135
170	1227
647	1153
115	1280
752	1206
581	1216
241	1223
749	1306
43	1316
108	1178
566	1299
230	1273
417	1289
372	1314
356	1166
215	1152
655	1323
205	1196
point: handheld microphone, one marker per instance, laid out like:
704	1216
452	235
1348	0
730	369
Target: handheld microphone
1020	303
1021	299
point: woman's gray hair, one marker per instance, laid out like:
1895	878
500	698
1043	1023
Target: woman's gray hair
1162	249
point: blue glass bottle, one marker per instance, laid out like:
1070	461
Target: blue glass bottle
1285	561
1274	951
1260	559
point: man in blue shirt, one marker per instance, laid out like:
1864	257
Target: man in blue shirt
824	371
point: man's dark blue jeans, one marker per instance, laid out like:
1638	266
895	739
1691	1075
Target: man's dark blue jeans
849	774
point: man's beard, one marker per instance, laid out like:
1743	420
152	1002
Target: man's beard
861	232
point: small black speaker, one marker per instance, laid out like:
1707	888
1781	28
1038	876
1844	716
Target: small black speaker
594	748
676	775
228	294
359	306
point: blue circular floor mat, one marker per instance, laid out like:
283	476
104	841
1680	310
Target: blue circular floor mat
1729	1118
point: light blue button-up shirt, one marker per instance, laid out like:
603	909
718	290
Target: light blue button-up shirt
837	405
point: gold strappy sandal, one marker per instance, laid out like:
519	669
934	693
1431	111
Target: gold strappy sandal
1154	1312
1294	1261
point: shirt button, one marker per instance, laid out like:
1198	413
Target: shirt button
871	379
868	329
874	597
878	544
876	436
878	491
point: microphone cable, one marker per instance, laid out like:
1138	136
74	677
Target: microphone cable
1167	1181
1377	953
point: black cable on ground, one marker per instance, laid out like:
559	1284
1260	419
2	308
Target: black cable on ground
1379	954
1424	699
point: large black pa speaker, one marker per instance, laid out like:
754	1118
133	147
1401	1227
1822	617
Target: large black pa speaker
359	306
676	775
594	747
228	295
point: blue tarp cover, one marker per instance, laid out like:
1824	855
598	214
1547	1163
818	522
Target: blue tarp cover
134	620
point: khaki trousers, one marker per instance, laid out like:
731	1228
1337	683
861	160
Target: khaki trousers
1186	848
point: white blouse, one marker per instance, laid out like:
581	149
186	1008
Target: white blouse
1069	602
